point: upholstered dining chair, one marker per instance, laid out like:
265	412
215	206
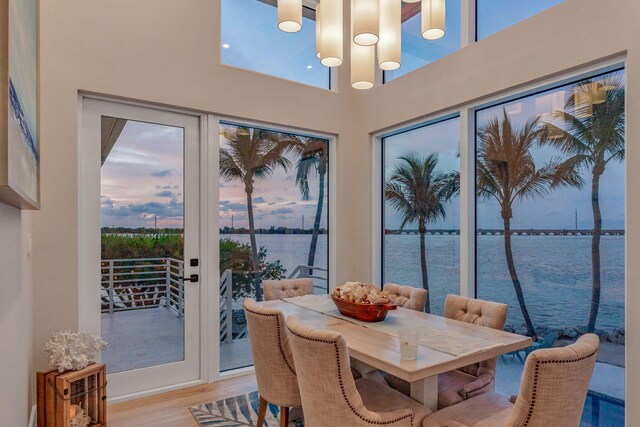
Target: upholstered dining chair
553	390
407	296
288	288
473	380
273	360
331	397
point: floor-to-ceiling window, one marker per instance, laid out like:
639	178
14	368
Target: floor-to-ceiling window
274	204
421	210
250	39
550	214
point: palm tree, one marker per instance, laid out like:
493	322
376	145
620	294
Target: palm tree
314	158
506	172
419	193
593	136
250	155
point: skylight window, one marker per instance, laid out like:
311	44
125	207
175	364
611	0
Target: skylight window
251	40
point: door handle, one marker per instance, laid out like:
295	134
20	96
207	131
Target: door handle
194	278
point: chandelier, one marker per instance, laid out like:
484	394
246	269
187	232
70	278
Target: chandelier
376	32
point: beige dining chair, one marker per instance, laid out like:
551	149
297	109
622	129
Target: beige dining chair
287	288
553	390
331	397
407	296
461	384
273	360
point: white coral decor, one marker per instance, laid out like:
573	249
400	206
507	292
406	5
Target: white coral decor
73	350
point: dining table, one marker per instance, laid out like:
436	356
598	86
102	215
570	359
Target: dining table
445	344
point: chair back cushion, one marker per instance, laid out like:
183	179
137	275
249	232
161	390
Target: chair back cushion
407	296
278	289
478	312
327	388
554	385
272	356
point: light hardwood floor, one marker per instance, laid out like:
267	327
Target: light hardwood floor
172	409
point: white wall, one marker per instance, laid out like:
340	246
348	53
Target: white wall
16	376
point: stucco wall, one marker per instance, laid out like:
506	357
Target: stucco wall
15	318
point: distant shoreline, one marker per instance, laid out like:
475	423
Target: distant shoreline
435	231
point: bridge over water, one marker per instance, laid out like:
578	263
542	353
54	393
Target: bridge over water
515	232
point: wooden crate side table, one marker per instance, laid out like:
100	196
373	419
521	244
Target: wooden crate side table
58	392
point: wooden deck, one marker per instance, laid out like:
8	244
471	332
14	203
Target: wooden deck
142	338
155	336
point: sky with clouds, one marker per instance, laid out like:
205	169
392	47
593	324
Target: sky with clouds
277	200
142	178
142	182
556	210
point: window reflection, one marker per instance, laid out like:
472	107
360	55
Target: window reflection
550	224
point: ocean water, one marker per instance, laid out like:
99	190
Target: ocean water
555	272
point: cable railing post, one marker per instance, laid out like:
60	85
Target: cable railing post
181	290
229	304
111	296
167	284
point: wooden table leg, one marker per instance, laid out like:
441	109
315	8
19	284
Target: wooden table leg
425	391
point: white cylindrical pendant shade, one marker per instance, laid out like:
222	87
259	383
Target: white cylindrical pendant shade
412	1
365	18
390	43
363	66
318	31
290	15
331	21
433	19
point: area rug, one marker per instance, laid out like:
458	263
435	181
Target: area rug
238	411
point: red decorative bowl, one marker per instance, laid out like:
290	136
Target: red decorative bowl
363	312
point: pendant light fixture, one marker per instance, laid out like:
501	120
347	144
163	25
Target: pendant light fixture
390	43
365	21
376	27
331	34
433	19
290	15
598	93
363	65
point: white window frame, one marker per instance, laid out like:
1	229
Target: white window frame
214	232
89	219
209	229
467	114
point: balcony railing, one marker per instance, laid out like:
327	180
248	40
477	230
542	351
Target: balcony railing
143	283
135	284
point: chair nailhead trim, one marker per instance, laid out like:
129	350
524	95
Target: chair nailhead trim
477	389
282	353
344	394
535	380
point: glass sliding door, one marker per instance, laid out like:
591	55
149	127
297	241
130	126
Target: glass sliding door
421	210
273	210
551	226
147	164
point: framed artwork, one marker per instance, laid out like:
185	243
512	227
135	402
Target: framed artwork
19	143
